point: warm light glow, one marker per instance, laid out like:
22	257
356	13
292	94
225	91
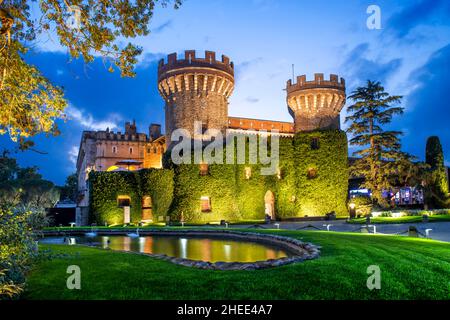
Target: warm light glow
376	214
352	206
248	172
113	168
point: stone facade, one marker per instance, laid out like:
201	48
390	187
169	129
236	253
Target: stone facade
195	89
105	150
316	104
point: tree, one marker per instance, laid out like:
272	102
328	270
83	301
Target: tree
70	188
29	103
24	187
380	149
437	188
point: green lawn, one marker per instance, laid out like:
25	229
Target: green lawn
405	219
411	268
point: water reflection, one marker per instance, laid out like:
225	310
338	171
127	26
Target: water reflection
212	250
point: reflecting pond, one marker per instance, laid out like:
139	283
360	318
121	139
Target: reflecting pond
193	248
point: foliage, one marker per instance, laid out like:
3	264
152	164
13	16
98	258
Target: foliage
380	149
437	187
363	204
107	186
17	251
29	102
327	191
411	269
24	187
233	197
70	188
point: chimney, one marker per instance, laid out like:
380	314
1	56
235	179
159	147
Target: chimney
130	128
155	131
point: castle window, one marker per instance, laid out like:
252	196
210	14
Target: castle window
123	201
204	128
205	204
248	172
114	149
312	173
203	169
315	143
149	150
131	150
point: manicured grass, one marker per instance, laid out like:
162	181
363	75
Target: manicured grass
405	219
411	268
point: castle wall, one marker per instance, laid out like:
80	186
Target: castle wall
195	89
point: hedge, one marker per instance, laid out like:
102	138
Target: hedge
105	187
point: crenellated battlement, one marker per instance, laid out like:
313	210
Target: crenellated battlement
316	104
319	82
191	61
195	89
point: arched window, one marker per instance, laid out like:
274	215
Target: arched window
114	149
131	150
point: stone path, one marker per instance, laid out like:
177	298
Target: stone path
440	230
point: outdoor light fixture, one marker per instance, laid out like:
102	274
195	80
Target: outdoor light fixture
328	226
277	225
427	232
352	206
374	228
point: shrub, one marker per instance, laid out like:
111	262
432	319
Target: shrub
363	205
17	251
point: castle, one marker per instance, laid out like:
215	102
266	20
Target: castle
126	170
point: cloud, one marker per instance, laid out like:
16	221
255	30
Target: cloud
163	26
252	99
87	121
420	13
243	70
149	58
427	111
73	154
359	67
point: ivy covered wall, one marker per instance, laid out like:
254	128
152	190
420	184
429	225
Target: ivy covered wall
297	192
106	187
312	180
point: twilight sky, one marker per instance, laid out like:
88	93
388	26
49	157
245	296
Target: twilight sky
410	55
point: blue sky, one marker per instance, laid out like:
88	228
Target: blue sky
410	55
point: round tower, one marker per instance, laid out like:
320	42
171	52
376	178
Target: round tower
195	89
316	104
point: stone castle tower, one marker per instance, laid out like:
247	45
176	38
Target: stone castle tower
316	104
195	89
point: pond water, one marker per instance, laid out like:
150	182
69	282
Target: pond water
193	248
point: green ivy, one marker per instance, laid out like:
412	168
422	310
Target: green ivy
177	190
105	187
233	197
